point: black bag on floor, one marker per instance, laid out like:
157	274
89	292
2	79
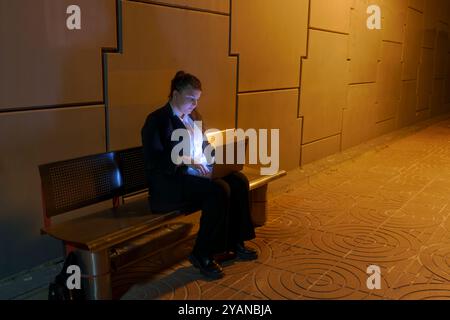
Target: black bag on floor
58	289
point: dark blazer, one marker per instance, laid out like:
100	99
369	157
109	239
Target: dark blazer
162	174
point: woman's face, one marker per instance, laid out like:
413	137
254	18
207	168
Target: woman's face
186	100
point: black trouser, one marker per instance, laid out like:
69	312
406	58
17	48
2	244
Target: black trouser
225	206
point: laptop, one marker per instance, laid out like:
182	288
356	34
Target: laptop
220	169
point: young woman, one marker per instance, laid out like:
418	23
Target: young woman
225	221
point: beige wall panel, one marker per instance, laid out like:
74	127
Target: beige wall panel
323	92
388	83
431	16
320	149
444	11
222	6
425	80
436	18
274	110
385	127
270	38
407	110
447	81
423	115
417	4
364	45
29	139
388	80
358	122
394	19
437	98
42	62
158	41
386	109
429	39
447	91
441	54
331	15
447	107
412	45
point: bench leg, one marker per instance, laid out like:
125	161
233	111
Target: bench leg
96	274
259	206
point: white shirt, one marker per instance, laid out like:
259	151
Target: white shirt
195	141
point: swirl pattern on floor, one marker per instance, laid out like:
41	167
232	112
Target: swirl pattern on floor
389	207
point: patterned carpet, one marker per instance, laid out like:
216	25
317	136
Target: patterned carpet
387	206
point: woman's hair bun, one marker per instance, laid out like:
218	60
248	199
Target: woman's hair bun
183	80
179	74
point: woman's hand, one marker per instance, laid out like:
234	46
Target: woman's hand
203	169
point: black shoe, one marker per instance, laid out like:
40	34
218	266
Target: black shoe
225	257
245	253
208	267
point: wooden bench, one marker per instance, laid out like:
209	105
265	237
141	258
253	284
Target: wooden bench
108	239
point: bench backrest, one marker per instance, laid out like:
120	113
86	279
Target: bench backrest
132	170
77	183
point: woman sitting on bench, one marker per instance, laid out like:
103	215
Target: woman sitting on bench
225	221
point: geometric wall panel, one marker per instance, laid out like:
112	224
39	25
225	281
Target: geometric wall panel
408	102
323	92
385	127
386	110
422	115
139	79
394	19
278	33
320	149
274	110
437	97
222	6
413	41
331	15
447	82
388	87
388	81
444	11
43	63
441	54
364	45
359	117
431	20
29	139
425	80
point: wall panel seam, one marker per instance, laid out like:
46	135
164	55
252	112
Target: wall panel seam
392	41
237	56
50	107
385	120
105	51
321	139
329	31
160	4
361	83
417	10
302	59
268	90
